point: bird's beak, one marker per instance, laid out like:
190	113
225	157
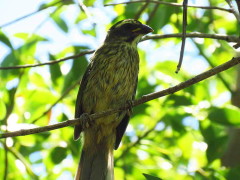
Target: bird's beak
143	29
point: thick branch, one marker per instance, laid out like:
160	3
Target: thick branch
172	4
196	79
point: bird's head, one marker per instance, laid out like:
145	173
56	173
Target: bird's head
128	30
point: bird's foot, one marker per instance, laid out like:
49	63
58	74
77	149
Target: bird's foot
86	121
129	105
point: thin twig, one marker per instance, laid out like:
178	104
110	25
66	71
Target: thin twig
236	14
84	8
194	35
156	36
133	144
238	5
6	160
30	14
49	62
56	102
138	14
184	25
172	4
226	84
19	156
150	17
196	79
236	46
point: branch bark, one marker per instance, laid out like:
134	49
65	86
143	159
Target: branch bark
194	35
172	4
194	80
49	62
156	36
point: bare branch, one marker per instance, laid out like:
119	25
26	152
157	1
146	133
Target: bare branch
19	156
236	14
226	84
172	4
194	35
139	138
238	5
5	174
57	101
49	62
156	36
30	14
196	79
184	25
141	10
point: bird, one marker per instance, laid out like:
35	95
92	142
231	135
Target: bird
110	81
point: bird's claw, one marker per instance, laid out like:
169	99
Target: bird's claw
129	105
87	121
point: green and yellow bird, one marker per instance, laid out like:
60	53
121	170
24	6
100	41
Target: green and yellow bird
109	82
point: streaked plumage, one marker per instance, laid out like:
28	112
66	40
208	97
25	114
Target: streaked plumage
110	81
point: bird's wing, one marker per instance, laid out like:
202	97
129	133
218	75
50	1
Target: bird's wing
121	128
78	107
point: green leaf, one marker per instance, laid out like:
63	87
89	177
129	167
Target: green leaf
88	2
131	10
5	40
227	116
60	22
150	177
165	14
2	109
78	68
58	154
10	60
216	148
179	100
54	70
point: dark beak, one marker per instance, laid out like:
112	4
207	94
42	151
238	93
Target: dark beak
146	29
143	29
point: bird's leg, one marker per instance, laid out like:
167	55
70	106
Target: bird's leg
86	121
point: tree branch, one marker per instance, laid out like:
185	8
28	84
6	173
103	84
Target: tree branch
5	174
19	156
30	14
202	53
184	25
194	35
196	79
172	4
156	36
133	144
236	14
49	62
57	101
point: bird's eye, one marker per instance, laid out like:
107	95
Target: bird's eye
127	26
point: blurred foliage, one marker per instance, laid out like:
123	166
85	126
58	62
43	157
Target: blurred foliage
180	136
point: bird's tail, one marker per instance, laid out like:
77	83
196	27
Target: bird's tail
96	162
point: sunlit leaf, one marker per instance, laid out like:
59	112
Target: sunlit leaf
4	39
150	177
228	116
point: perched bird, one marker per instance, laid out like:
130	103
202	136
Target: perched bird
109	82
